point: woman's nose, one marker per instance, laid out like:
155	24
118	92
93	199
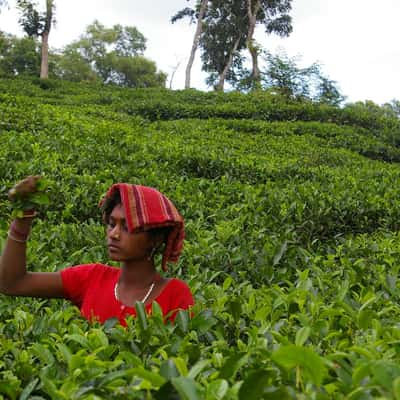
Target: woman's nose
115	232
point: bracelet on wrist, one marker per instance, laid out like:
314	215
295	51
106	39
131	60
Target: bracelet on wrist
19	234
31	213
21	210
22	214
13	238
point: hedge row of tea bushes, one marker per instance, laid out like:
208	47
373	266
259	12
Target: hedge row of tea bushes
292	247
156	104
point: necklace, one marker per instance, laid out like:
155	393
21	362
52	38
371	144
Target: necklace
144	298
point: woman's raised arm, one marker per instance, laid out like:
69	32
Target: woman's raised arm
14	277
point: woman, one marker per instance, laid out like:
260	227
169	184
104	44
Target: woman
140	222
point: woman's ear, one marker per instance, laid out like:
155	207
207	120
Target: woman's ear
158	239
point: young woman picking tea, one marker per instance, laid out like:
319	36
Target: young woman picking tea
140	222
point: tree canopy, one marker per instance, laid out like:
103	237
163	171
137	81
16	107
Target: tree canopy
112	55
222	41
19	56
108	55
226	27
283	74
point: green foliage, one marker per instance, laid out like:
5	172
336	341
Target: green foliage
227	28
111	55
72	66
33	201
292	245
31	20
18	56
283	74
137	72
34	21
223	36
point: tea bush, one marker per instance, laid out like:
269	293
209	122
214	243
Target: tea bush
292	245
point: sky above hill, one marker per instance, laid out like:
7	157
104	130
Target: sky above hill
353	40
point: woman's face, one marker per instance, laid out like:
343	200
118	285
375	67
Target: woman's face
123	245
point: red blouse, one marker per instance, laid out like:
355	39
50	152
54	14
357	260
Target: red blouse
91	288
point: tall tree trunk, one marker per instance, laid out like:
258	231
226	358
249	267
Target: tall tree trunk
221	82
252	14
44	66
203	7
173	74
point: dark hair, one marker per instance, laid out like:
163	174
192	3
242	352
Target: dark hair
109	205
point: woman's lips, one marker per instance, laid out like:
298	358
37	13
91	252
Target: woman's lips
113	247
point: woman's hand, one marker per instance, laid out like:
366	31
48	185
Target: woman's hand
24	188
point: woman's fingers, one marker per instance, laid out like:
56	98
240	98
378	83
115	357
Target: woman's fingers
24	188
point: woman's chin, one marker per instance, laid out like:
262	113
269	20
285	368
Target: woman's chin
115	257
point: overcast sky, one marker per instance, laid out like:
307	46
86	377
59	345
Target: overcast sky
355	41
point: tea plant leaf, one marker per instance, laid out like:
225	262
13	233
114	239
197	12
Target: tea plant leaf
280	253
186	387
198	368
302	335
28	390
141	315
217	389
310	364
232	365
396	388
168	369
182	320
254	386
155	379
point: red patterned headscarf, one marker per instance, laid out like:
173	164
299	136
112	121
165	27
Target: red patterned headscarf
146	208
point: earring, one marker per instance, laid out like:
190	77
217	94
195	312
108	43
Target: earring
151	254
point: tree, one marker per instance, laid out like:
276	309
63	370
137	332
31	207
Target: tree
18	56
48	19
37	24
100	45
137	72
174	69
283	74
72	66
273	14
193	14
111	55
222	40
328	92
392	108
228	27
129	42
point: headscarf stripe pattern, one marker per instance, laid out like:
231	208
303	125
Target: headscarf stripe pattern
166	206
130	210
146	208
138	206
143	204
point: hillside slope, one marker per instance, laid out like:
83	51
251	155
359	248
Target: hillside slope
292	248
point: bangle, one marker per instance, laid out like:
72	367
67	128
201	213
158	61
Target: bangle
29	213
21	235
10	236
